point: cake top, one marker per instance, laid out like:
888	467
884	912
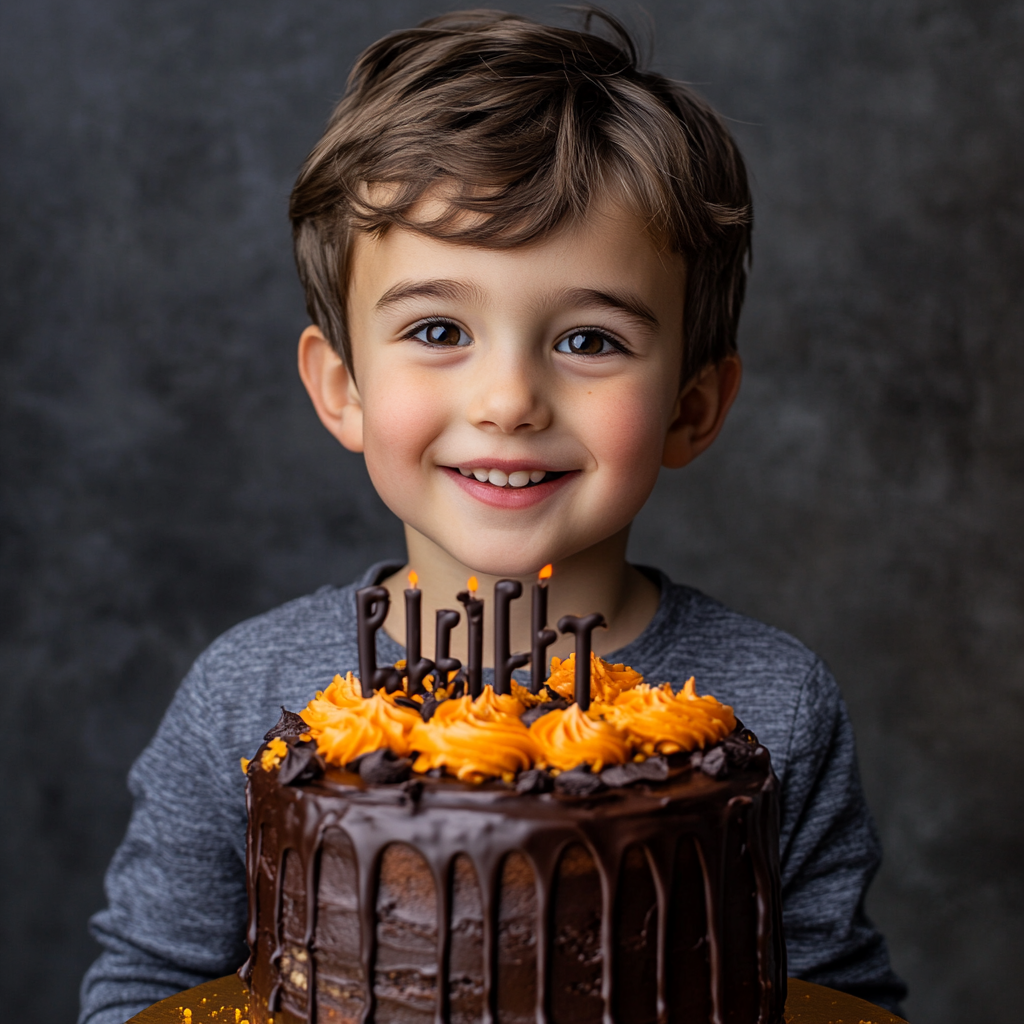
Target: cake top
520	737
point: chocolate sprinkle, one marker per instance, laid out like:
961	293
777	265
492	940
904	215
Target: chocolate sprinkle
382	767
534	780
289	726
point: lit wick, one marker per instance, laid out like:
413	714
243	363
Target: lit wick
541	637
505	592
475	625
447	620
416	667
582	628
371	611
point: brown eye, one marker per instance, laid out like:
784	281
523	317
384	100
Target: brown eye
443	334
585	343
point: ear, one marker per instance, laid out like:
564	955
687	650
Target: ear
700	411
331	388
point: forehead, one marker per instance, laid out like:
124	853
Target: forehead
609	251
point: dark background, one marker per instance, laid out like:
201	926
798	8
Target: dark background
164	477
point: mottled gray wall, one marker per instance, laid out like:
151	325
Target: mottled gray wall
163	476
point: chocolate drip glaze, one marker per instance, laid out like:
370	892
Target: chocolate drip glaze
433	901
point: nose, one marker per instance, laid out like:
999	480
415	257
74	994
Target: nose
508	395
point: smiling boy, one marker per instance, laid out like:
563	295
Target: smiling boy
524	259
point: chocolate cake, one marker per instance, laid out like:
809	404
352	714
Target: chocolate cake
391	885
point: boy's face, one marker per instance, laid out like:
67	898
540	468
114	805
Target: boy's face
555	364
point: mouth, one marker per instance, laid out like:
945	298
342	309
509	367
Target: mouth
512	487
515	480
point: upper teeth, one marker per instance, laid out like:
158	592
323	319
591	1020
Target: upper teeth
499	478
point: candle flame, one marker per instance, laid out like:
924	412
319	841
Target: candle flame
545	573
413	578
472	584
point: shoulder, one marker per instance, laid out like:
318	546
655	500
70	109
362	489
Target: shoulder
778	687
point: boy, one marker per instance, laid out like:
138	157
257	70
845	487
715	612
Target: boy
524	259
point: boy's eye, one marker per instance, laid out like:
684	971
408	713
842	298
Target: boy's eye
441	333
587	343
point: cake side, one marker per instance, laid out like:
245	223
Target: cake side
435	900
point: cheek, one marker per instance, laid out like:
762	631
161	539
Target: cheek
400	421
628	435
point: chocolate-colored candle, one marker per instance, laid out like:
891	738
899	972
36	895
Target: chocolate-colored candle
541	638
505	592
371	610
582	628
475	625
413	597
447	620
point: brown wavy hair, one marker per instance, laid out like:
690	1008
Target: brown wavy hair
523	125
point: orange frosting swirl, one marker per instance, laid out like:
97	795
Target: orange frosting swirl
573	737
659	721
475	739
343	733
607	681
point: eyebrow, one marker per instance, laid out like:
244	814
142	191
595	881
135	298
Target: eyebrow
634	307
450	291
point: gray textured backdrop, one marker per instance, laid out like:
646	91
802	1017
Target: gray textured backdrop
163	476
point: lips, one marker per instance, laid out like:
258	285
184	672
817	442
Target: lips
508	490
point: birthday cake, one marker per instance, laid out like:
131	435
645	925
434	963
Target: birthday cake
586	848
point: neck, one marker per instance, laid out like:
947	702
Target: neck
598	579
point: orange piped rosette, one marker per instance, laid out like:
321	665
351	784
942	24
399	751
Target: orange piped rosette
573	737
345	732
658	720
475	739
607	681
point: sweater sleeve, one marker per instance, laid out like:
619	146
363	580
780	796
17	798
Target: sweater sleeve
176	909
830	853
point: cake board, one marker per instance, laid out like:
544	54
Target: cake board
217	1001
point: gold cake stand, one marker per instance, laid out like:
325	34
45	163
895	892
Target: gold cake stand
216	1002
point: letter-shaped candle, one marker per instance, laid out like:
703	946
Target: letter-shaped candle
541	638
582	628
371	611
417	668
505	592
447	620
475	625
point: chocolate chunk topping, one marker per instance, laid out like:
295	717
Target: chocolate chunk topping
407	702
654	769
534	780
715	763
382	768
428	707
740	748
578	782
301	764
289	727
539	710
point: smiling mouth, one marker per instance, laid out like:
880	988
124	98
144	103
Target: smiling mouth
516	480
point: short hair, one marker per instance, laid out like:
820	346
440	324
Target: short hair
523	125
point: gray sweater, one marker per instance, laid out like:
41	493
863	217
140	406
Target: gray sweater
176	886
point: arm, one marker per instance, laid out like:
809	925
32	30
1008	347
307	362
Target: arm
830	853
176	887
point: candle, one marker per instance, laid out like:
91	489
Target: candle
413	597
541	638
447	620
505	592
371	611
475	625
582	628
